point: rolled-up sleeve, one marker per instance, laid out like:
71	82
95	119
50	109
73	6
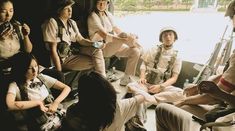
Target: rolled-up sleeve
228	77
177	66
50	30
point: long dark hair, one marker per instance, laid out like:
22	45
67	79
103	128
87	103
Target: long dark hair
97	101
20	64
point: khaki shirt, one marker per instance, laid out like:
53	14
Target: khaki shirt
50	32
9	47
97	23
149	56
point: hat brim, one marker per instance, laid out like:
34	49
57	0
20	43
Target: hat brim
68	3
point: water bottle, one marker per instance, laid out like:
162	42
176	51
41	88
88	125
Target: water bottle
186	83
98	44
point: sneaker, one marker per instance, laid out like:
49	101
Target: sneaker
125	80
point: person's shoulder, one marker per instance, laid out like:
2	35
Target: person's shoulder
12	84
155	47
50	20
72	21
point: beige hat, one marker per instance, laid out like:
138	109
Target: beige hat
63	3
168	28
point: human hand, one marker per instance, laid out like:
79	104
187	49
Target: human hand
190	90
210	88
142	81
25	29
42	106
154	89
6	33
53	107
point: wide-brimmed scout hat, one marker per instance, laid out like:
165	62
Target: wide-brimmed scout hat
60	4
168	28
230	11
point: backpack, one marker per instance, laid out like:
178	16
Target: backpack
63	48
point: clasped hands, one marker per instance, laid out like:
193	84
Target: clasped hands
50	108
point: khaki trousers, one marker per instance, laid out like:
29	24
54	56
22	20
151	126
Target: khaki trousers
122	50
88	57
172	118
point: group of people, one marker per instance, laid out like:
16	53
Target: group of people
28	87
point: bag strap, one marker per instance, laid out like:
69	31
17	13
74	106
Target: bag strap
16	26
61	26
50	97
43	80
168	72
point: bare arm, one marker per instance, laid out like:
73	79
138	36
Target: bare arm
112	38
65	91
26	40
85	42
54	55
171	80
158	88
218	91
197	99
22	105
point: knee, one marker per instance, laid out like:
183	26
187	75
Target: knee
135	52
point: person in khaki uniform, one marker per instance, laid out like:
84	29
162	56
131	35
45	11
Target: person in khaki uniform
220	88
159	71
161	67
89	55
101	27
98	108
